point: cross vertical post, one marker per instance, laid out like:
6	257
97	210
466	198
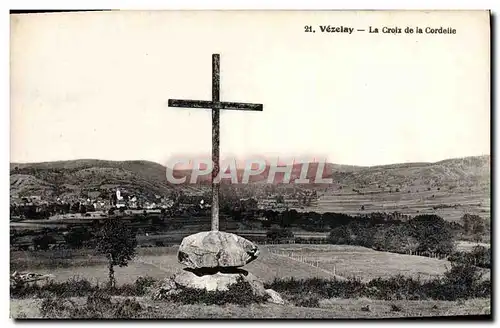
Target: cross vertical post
215	105
215	140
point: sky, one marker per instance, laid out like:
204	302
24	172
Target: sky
96	85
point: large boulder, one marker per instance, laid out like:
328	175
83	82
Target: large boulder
214	249
216	281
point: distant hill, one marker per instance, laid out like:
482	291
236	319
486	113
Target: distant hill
78	177
471	171
71	178
468	171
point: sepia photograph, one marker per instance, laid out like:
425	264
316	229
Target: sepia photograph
231	164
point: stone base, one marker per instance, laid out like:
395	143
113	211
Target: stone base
217	281
214	281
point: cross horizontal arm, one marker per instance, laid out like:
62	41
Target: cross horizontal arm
186	103
189	103
240	106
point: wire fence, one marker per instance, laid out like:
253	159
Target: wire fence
306	260
324	241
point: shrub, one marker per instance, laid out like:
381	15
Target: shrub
395	308
98	306
310	302
142	284
433	233
277	234
479	256
70	288
98	300
43	242
240	293
56	308
460	282
77	236
127	309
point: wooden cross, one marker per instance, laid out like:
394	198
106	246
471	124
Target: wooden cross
215	105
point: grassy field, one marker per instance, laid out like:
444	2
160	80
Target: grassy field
275	261
449	204
158	262
364	263
331	308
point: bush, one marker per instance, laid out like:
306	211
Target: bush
479	256
43	242
81	287
98	306
310	302
433	233
460	282
55	308
277	234
77	236
142	284
240	293
395	308
98	299
71	288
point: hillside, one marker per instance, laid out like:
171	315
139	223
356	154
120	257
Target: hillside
460	172
71	178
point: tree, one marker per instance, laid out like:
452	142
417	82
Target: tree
266	224
481	256
340	236
75	207
277	234
474	225
433	234
288	218
478	229
43	242
118	243
395	238
77	236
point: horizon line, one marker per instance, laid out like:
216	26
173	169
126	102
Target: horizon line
267	158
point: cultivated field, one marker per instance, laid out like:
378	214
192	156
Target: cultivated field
449	204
